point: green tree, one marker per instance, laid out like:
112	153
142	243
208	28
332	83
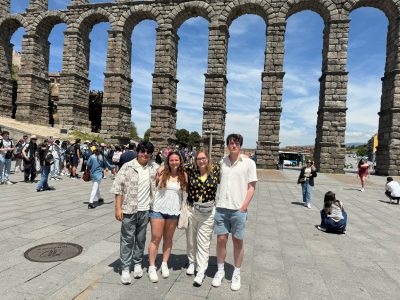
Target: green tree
147	135
134	134
362	150
182	137
194	140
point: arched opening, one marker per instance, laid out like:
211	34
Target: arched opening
245	65
56	42
18	6
143	59
191	67
97	47
301	86
366	67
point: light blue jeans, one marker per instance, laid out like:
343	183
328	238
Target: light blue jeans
307	191
44	177
5	167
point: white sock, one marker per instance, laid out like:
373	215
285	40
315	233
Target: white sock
152	267
221	267
236	271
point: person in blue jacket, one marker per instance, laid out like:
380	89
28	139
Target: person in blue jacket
96	163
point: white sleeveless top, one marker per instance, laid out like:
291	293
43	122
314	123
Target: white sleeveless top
168	200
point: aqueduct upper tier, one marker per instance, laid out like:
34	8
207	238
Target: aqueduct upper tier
123	15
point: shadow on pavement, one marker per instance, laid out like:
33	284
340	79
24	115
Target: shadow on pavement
297	203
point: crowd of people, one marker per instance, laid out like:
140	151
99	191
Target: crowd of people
176	189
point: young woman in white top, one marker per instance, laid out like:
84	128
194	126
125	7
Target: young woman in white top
165	211
333	215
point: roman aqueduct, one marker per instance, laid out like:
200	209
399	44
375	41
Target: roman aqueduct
124	15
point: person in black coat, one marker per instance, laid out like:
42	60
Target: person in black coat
306	179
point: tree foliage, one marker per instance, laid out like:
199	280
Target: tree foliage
147	135
188	139
362	150
134	135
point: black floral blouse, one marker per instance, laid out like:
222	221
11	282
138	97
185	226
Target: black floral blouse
199	191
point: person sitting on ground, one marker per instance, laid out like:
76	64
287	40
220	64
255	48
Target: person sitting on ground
333	215
392	190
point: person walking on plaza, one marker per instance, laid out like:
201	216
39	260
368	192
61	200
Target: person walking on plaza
134	189
74	157
333	215
29	153
165	211
55	151
306	179
203	182
95	164
363	172
238	183
19	167
392	190
63	158
6	154
46	160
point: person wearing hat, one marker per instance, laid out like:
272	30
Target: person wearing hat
6	152
28	155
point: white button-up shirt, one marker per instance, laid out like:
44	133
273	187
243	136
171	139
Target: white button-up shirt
234	181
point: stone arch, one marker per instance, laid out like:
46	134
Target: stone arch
390	7
45	22
88	19
129	19
187	10
10	24
325	8
238	7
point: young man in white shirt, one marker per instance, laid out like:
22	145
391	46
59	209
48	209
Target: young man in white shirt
6	151
392	190
238	183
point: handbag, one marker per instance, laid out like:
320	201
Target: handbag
86	175
183	221
37	165
302	180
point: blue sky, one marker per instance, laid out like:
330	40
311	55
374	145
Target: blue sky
302	64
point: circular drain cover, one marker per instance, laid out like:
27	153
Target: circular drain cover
53	252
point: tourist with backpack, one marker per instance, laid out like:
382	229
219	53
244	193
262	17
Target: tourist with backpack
46	160
86	153
74	155
29	155
6	153
116	158
18	156
55	151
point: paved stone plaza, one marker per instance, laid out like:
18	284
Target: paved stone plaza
286	257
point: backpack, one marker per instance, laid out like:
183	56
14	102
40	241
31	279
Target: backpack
86	153
116	157
70	151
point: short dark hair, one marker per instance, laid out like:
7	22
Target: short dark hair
145	146
389	179
5	132
131	146
236	137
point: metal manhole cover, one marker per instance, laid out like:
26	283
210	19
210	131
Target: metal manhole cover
53	252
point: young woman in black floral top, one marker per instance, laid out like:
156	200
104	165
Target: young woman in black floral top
203	182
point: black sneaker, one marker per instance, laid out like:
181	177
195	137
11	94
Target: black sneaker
91	206
101	201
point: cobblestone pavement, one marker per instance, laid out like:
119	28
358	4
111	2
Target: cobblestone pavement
286	257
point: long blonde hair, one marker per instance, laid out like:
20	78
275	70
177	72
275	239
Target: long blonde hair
167	172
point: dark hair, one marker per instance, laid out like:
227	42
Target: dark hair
330	199
131	146
5	132
77	141
361	162
145	146
389	179
236	137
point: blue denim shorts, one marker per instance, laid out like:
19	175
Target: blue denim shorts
158	215
230	221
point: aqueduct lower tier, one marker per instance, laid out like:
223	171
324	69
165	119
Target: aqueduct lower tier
123	15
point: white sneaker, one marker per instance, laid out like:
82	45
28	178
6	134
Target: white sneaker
126	277
153	274
137	271
199	278
235	285
164	270
190	269
321	228
362	190
52	178
217	280
309	205
9	182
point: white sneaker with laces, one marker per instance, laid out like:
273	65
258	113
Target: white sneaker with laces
137	271
218	277
235	285
164	270
126	277
153	274
199	278
190	269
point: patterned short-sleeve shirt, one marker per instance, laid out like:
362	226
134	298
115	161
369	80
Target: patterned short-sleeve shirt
200	191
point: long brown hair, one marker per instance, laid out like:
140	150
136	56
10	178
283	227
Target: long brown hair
209	167
330	199
167	172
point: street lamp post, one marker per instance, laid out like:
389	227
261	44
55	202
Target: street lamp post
210	132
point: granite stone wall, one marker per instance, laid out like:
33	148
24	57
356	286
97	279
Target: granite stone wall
124	15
